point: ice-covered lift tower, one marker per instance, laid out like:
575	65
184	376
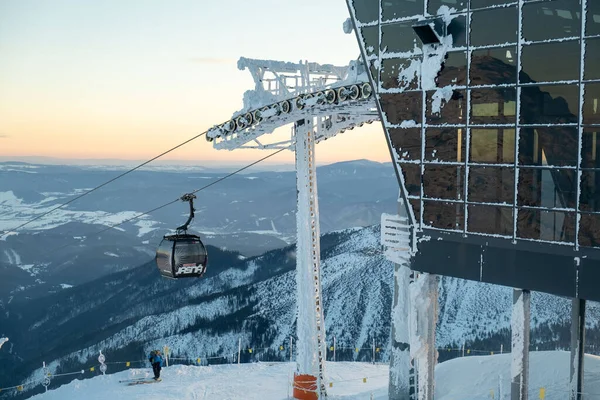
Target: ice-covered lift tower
318	102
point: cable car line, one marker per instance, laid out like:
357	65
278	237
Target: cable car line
173	201
13	230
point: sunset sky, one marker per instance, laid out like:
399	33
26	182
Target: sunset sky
129	79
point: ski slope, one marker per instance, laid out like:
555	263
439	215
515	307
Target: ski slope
264	381
469	378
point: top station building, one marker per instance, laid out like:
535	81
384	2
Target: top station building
491	111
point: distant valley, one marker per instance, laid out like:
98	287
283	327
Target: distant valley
249	213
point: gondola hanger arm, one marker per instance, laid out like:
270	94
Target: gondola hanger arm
189	197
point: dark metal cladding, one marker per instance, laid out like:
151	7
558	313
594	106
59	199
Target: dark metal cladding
164	258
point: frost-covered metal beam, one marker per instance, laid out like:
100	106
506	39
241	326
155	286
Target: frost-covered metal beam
396	235
346	102
422	323
400	360
520	325
329	125
286	92
310	367
430	356
577	348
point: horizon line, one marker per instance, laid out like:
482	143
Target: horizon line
46	160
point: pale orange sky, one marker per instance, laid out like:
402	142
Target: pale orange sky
128	80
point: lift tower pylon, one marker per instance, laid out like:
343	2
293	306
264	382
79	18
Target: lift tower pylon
319	102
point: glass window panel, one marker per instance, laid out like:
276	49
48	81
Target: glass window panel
366	10
490	219
592	59
551	20
589	199
390	71
548	145
391	9
458	30
494	66
444	181
549	104
491	185
399	107
488	3
444	215
454	70
398	38
407	143
495	26
549	62
590	148
549	188
433	6
593	18
493	106
416	206
412	178
496	146
374	71
370	35
555	226
591	114
589	230
452	112
445	144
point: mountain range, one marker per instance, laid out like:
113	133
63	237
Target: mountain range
249	213
64	304
252	302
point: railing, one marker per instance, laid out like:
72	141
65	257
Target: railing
284	353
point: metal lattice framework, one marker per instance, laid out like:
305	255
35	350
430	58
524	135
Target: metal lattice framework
340	98
319	101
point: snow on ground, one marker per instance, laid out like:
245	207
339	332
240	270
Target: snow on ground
13	257
260	381
146	227
469	378
14	211
473	378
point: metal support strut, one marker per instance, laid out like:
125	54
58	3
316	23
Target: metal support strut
309	378
520	324
403	376
577	348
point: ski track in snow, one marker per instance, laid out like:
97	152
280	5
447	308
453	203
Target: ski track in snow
13	257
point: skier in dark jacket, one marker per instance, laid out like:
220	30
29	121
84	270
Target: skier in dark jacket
156	360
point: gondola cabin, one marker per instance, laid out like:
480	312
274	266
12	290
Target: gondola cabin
181	256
